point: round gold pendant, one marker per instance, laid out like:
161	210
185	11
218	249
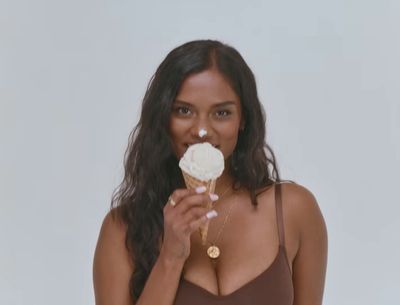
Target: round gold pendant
213	251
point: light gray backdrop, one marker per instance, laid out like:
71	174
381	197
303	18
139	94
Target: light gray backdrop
72	75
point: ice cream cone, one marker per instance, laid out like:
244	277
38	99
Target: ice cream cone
191	183
201	165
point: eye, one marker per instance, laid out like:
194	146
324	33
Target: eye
182	110
223	113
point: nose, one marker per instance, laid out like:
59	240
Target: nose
201	131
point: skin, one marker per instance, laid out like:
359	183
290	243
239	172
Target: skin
206	100
199	105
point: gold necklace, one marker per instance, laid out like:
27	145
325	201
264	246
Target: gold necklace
223	193
213	251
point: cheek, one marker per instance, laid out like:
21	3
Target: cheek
177	128
176	132
173	130
229	131
229	140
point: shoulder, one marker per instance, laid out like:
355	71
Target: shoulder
310	260
112	232
113	224
297	196
112	236
112	265
301	204
305	214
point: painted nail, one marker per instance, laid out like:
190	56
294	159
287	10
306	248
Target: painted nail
214	197
200	189
212	214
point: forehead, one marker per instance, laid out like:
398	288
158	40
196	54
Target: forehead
207	87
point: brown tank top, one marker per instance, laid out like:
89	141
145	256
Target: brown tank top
273	286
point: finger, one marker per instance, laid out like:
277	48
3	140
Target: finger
195	224
174	198
178	195
194	213
183	193
196	200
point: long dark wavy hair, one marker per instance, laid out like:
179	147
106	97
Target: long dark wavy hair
151	167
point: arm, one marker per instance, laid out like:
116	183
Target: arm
112	266
309	265
112	269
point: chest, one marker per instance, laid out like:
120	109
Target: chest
248	244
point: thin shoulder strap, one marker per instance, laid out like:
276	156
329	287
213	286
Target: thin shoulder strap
279	214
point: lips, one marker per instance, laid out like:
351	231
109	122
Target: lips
188	144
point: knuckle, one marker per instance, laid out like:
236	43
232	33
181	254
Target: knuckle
197	212
196	199
168	218
175	226
186	229
180	192
200	212
192	213
203	210
182	201
175	195
191	226
176	192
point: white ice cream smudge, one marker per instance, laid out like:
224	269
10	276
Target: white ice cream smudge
202	132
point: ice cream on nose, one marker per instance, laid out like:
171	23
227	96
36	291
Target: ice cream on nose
202	132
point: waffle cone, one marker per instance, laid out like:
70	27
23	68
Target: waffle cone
192	183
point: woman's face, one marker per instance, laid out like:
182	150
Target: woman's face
205	101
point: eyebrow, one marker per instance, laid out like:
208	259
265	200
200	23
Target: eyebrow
220	104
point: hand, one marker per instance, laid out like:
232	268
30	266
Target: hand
181	220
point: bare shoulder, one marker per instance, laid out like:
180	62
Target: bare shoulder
112	265
297	192
113	225
302	206
309	264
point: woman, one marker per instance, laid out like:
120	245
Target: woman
271	236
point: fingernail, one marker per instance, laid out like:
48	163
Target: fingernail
214	197
211	214
200	189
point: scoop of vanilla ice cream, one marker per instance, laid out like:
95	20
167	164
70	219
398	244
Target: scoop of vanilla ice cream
202	161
